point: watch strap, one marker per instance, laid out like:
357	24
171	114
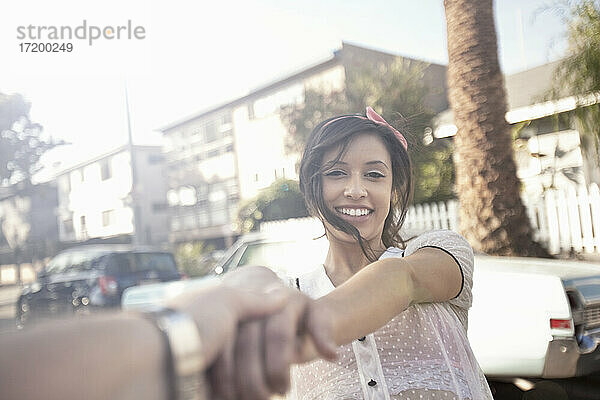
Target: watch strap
184	353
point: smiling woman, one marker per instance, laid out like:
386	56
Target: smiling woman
399	310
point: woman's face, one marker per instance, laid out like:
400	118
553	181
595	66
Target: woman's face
358	187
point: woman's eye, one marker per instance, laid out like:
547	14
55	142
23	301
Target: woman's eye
375	174
334	173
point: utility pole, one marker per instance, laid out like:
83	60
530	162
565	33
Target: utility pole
524	62
136	238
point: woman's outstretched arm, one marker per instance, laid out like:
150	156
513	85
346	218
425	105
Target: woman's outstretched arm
385	288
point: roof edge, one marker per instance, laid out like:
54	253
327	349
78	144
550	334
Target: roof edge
261	89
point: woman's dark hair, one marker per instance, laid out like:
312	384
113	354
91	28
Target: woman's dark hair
339	131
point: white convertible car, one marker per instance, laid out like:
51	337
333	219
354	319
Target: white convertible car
530	317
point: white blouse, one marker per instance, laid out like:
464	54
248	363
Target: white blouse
422	353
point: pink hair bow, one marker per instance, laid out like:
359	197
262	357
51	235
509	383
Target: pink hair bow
378	119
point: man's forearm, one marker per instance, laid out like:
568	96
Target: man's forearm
116	356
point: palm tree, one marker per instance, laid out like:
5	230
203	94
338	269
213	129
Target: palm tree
492	215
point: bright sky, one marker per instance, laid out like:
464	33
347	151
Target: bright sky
198	54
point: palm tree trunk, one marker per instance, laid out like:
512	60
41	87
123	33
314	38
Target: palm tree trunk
492	215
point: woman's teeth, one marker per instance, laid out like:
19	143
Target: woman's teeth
354	212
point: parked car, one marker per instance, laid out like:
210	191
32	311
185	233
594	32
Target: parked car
530	317
90	277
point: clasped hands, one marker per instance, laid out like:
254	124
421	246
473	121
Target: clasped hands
253	329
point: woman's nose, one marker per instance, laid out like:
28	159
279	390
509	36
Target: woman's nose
355	188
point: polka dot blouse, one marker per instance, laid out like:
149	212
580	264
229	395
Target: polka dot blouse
422	353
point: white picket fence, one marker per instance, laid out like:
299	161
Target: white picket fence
425	217
567	220
563	220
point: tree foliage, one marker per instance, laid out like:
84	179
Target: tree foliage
433	171
579	72
396	90
20	143
581	68
194	258
281	200
302	119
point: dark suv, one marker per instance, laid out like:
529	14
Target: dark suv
90	277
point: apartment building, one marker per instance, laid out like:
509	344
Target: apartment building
228	153
98	198
550	151
201	168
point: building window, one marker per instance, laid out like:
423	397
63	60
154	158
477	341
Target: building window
107	217
212	133
189	221
232	187
83	225
212	153
202	189
175	224
187	196
68	226
219	216
550	124
217	193
203	218
105	170
197	132
159	207
155	159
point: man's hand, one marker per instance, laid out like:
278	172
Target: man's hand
219	309
257	362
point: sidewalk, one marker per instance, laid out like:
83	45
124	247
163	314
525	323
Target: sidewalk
9	294
8	298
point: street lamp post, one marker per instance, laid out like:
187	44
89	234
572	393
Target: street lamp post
136	238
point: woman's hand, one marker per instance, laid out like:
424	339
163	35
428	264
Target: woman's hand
257	362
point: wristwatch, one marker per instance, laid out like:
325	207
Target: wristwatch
184	353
